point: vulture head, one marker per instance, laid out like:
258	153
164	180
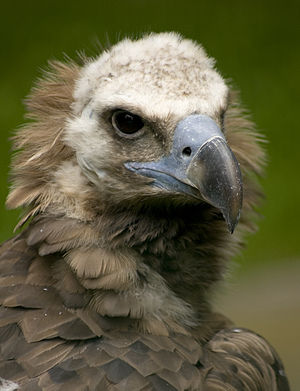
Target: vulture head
135	168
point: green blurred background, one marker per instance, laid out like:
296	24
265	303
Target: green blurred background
256	44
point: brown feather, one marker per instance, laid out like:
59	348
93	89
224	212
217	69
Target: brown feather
49	104
108	288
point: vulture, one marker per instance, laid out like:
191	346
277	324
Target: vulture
137	176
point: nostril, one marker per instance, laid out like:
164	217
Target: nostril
187	151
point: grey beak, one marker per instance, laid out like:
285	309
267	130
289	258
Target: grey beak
200	164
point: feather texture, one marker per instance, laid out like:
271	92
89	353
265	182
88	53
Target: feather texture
59	348
109	285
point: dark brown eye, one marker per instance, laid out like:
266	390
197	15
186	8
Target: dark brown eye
126	122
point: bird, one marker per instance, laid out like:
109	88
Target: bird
137	174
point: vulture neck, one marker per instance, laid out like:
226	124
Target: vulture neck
153	265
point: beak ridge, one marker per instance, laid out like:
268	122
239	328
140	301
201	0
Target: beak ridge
215	172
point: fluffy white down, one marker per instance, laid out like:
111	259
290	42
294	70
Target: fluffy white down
162	71
7	385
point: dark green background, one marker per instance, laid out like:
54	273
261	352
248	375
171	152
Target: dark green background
256	44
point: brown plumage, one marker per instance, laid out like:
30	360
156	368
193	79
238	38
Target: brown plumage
108	286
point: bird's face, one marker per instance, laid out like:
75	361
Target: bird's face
147	123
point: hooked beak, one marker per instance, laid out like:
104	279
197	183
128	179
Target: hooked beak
200	164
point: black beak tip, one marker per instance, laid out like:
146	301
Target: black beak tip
231	227
231	220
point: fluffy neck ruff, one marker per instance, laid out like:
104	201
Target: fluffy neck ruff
152	264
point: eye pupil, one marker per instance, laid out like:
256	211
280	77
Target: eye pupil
126	122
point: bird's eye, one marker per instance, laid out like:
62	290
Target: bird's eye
126	122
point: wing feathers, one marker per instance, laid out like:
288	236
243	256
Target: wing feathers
246	355
46	345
